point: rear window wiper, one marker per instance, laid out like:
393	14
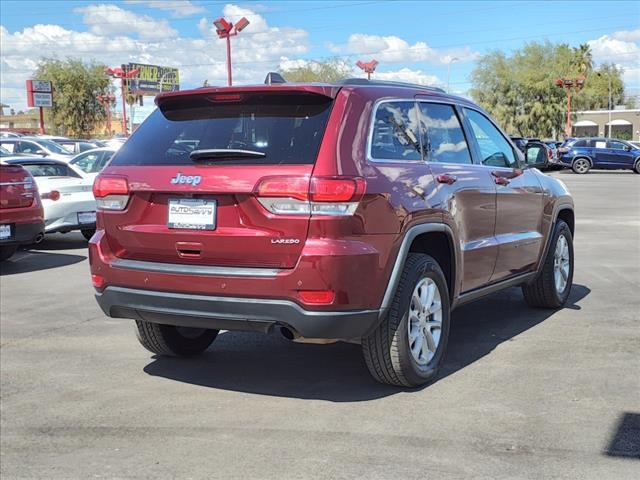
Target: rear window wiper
224	154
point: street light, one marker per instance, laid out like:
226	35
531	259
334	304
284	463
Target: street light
610	102
451	60
568	84
226	29
106	100
123	75
368	67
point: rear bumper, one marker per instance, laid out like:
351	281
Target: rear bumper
23	233
232	313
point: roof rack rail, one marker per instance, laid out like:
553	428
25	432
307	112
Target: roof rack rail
364	81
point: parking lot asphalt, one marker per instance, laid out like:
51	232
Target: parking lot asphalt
524	393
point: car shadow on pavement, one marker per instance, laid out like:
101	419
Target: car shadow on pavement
33	261
271	365
625	441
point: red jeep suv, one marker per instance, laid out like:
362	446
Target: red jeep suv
361	211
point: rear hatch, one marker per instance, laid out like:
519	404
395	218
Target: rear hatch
17	188
192	168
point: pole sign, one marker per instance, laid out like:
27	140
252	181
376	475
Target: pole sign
153	79
39	93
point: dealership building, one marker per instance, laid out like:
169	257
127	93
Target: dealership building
623	124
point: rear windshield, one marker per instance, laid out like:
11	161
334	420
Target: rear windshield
288	129
50	170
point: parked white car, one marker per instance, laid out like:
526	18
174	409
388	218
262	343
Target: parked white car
93	161
35	146
66	193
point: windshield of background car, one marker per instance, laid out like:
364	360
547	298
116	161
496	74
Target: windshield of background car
53	147
287	128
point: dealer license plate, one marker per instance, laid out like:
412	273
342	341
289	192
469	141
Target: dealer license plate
191	213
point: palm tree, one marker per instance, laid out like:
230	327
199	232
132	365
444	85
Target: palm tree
583	60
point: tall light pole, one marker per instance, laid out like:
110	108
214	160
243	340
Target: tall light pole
225	29
106	100
451	60
123	75
368	67
568	84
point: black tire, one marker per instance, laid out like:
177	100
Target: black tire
636	166
88	233
7	252
581	165
174	341
387	350
542	292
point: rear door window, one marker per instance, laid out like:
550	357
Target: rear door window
286	128
442	139
395	133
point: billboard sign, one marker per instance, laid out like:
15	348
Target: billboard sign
153	79
39	93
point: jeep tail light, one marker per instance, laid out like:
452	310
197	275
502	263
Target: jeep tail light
332	196
111	192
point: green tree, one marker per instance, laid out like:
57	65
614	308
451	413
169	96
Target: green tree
330	71
76	110
519	90
595	94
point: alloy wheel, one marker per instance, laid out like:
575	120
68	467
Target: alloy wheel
425	321
581	166
561	264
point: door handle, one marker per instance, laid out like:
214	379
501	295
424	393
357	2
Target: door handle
502	177
446	178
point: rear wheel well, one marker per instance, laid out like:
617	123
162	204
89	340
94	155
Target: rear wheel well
439	246
566	215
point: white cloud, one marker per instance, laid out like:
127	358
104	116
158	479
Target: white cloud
393	49
621	49
256	51
628	35
178	8
113	20
408	75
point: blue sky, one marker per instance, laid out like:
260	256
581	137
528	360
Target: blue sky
412	40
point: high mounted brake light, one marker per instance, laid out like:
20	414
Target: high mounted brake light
333	196
111	192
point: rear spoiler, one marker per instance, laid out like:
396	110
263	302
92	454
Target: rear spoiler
329	91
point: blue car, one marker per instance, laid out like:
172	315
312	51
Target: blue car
583	154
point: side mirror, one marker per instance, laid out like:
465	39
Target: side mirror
535	155
41	152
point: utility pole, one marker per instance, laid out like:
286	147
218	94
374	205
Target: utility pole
225	29
451	60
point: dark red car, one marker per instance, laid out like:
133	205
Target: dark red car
21	215
360	211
